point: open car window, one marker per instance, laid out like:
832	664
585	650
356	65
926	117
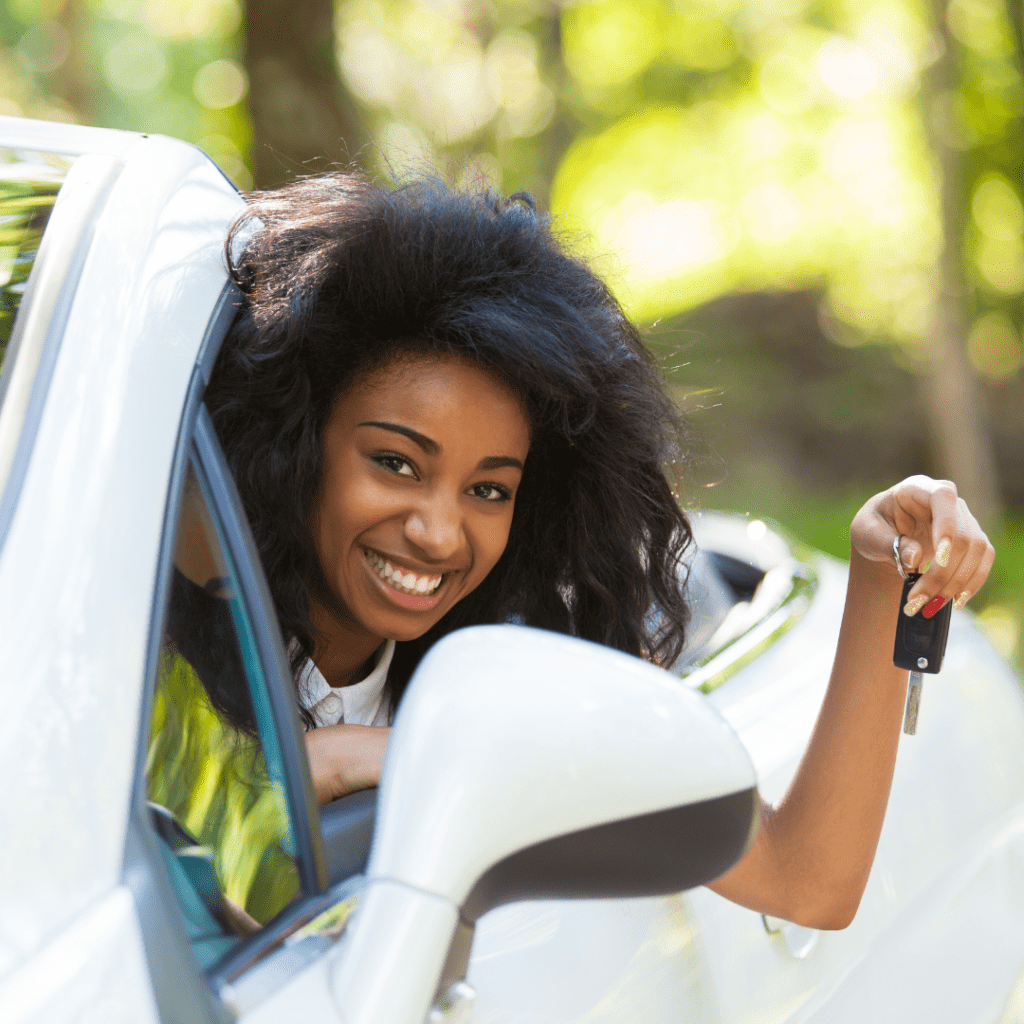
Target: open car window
215	775
247	883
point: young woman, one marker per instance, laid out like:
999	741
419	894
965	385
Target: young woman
437	417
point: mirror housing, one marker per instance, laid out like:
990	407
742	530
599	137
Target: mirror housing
526	764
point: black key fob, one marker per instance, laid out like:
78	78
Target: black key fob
921	642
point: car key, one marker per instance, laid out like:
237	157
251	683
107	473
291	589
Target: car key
920	646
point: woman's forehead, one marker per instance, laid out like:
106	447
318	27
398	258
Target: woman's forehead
437	387
409	367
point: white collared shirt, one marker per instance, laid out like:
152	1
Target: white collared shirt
359	703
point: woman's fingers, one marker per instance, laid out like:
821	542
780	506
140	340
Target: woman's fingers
975	582
962	559
927	511
877	525
910	553
971	573
938	532
945	509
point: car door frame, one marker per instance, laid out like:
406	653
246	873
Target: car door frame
183	991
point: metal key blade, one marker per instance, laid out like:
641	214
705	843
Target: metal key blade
913	703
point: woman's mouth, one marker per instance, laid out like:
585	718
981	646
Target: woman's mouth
401	579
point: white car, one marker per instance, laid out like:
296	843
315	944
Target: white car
159	865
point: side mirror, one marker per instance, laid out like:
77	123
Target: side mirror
526	764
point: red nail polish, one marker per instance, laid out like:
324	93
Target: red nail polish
933	606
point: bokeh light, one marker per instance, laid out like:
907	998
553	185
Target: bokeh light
135	64
220	84
994	346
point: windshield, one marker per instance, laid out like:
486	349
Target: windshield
29	183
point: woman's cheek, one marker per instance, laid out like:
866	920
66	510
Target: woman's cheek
498	541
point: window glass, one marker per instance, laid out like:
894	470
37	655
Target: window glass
215	777
29	183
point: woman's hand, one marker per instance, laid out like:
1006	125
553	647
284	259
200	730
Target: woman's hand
938	528
345	758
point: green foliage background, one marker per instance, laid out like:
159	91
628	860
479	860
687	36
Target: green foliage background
697	150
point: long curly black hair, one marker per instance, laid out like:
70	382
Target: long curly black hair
339	274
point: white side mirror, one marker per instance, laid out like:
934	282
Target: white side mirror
526	764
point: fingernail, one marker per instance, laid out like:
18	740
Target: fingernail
942	552
933	606
914	605
961	599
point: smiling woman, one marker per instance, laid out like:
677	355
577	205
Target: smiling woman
438	418
422	460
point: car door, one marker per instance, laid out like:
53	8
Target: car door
109	903
225	854
74	579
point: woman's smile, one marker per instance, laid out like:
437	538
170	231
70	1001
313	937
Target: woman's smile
423	457
403	585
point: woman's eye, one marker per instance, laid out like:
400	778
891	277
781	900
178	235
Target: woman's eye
395	463
491	492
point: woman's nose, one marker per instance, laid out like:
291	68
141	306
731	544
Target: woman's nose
435	527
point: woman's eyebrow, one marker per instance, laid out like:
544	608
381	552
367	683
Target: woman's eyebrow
499	462
430	447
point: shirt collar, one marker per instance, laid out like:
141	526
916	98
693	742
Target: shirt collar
358	701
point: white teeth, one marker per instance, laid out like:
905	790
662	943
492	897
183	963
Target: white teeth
407	581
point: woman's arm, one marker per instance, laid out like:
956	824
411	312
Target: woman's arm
813	852
345	758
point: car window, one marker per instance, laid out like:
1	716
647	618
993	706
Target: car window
49	204
228	853
29	183
215	775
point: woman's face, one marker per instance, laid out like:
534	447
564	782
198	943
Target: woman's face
423	458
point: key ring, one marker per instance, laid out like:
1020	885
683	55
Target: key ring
896	556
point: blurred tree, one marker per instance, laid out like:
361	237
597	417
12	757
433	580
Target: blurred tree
303	117
71	77
975	120
473	88
536	123
960	432
158	66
